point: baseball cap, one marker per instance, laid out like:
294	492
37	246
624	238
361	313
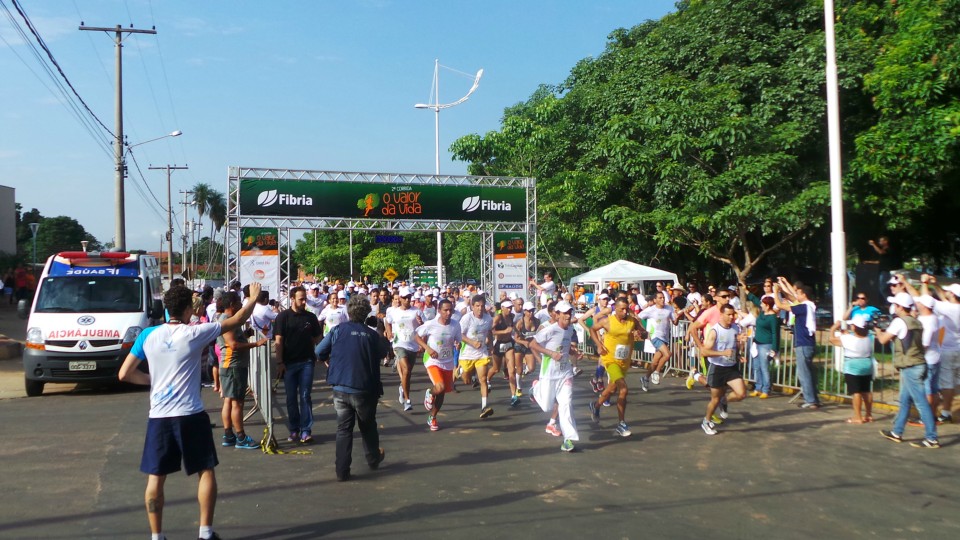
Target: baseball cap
513	296
893	281
925	300
859	320
506	304
954	288
405	291
341	294
901	299
732	288
563	307
527	306
602	296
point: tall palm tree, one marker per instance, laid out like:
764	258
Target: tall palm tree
201	197
217	210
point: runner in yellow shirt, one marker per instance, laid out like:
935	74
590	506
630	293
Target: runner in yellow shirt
622	330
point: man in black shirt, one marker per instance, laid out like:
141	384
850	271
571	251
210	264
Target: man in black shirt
296	333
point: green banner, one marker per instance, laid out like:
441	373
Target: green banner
509	244
259	239
379	201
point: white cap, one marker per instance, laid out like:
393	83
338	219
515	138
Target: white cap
925	300
954	288
563	307
732	288
901	299
893	281
374	286
527	306
859	320
506	304
677	287
513	296
602	296
405	291
341	294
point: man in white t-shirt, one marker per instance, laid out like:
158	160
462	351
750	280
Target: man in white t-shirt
264	314
663	319
476	335
547	290
555	385
401	326
178	428
439	337
948	310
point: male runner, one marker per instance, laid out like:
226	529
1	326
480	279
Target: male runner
402	323
476	335
555	385
720	349
438	337
662	315
615	348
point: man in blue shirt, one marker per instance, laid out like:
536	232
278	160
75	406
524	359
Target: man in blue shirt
804	336
355	351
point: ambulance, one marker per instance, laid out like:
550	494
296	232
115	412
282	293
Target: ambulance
88	310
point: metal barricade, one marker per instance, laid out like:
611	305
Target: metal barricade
261	368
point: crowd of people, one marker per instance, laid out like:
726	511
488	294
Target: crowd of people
530	345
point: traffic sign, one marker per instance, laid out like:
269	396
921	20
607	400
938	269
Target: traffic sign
390	274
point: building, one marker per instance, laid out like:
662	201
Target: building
8	220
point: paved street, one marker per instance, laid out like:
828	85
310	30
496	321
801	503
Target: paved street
71	470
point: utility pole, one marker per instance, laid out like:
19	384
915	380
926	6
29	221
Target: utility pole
120	230
169	217
185	203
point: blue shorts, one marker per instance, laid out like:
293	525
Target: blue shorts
657	343
931	384
178	438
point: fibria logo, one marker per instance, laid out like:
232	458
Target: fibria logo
271	197
471	204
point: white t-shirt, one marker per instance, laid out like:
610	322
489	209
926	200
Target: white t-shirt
404	324
263	317
554	338
855	346
950	323
173	352
549	290
443	339
931	338
315	304
898	328
543	316
694	298
332	316
475	329
661	317
212	311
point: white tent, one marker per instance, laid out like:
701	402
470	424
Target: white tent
624	273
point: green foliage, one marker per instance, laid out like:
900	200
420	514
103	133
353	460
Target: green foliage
378	260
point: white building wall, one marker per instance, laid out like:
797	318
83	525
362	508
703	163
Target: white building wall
8	220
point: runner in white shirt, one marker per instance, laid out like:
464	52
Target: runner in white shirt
555	343
334	314
477	338
315	304
663	319
178	428
439	338
402	323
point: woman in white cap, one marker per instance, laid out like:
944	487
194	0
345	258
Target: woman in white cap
524	329
857	365
503	349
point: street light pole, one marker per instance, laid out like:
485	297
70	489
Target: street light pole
436	106
33	230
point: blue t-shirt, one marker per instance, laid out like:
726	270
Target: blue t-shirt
869	312
802	336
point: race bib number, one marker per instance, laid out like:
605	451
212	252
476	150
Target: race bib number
445	352
621	352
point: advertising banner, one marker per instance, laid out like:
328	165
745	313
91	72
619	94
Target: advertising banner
510	264
260	258
365	200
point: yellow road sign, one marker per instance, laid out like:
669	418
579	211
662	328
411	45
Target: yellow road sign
390	274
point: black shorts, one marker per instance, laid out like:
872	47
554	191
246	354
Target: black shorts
234	382
520	349
502	347
170	440
857	384
719	376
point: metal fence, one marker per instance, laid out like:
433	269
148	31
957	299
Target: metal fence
783	372
260	379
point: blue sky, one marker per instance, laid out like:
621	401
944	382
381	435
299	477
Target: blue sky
297	85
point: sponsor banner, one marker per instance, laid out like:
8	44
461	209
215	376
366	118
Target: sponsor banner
260	258
510	275
258	241
378	201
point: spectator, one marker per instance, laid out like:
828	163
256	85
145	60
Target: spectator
860	307
296	333
857	365
766	343
804	336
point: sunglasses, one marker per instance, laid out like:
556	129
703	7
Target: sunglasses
861	298
723	296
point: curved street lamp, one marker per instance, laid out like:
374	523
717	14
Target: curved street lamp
120	242
437	107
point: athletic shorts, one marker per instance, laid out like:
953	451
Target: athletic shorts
520	349
233	382
402	353
949	369
719	376
931	383
502	347
657	343
857	384
469	365
439	375
614	372
178	438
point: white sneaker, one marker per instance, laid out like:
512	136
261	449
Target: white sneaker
655	377
708	427
402	398
407	405
722	411
644	384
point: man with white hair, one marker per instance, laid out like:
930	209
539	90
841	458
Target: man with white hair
555	342
906	332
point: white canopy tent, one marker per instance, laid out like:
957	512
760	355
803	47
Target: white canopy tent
624	273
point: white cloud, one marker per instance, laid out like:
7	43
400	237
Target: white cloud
50	29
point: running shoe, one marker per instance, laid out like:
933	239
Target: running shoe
514	401
533	388
645	383
606	403
408	405
476	383
428	400
486	411
402	398
519	392
306	438
567	446
945	418
691	380
577	372
926	443
294	436
915	422
764	395
595	385
722	410
655	377
891	435
810	406
622	429
432	422
594	412
552	429
247	443
710	428
716	419
228	440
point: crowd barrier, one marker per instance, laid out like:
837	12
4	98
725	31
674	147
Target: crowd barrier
783	372
260	379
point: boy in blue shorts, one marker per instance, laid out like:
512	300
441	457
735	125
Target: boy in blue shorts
178	428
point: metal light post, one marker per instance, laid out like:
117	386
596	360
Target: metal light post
436	106
33	230
838	245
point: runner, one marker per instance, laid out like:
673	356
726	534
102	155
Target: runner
523	331
438	338
476	335
662	315
335	312
720	349
555	385
615	348
503	349
402	322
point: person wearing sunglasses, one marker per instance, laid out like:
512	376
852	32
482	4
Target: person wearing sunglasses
860	307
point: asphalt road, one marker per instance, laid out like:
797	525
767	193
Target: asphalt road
70	470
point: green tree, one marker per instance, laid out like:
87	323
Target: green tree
378	260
